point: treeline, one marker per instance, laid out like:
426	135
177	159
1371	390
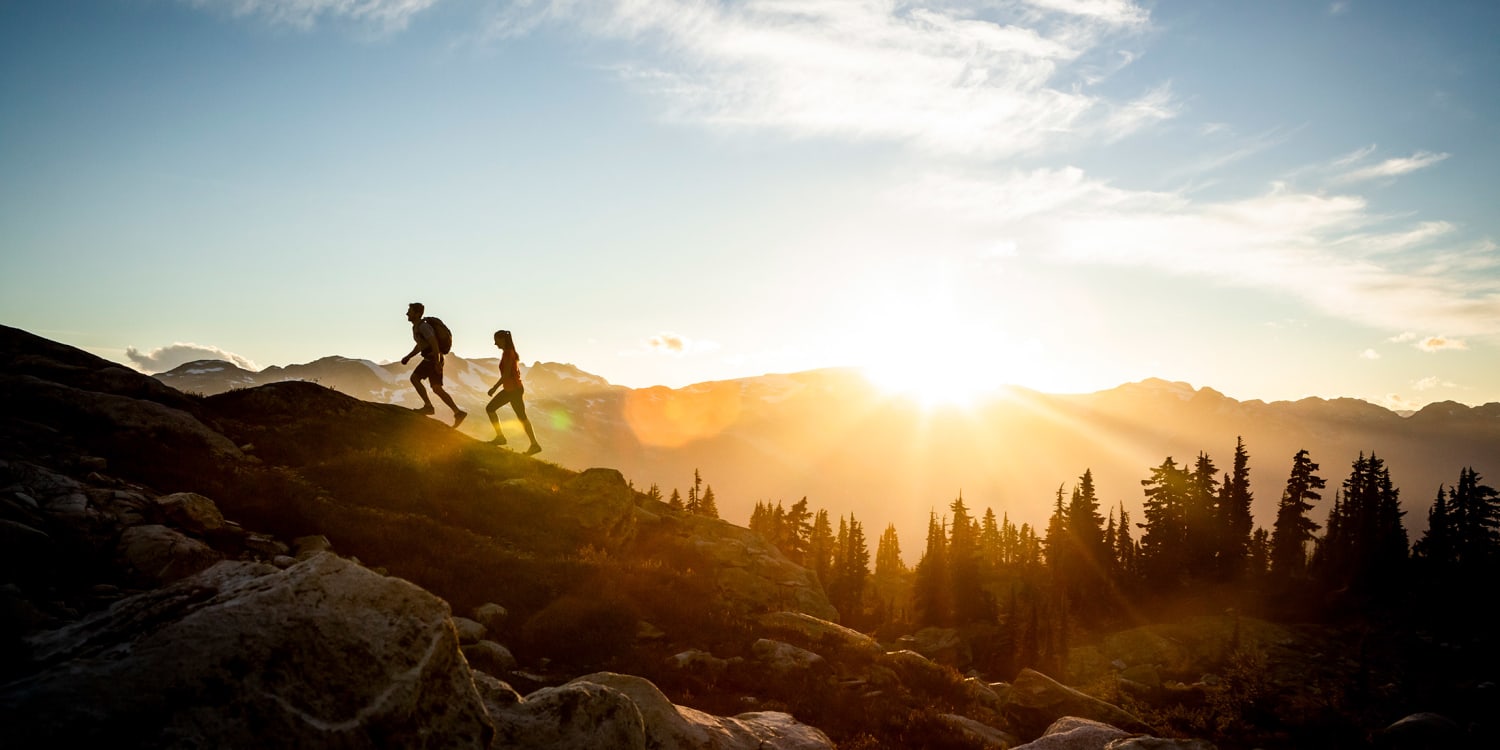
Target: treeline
841	560
1196	535
700	500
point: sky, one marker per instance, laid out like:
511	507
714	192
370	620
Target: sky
1276	199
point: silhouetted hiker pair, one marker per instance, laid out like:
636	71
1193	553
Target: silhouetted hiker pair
433	341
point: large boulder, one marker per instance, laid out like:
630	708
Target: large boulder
323	654
819	635
609	710
668	725
1035	701
576	716
751	575
1074	733
597	507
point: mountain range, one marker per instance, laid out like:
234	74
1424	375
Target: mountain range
851	448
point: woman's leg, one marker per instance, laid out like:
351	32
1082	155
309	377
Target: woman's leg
520	407
492	409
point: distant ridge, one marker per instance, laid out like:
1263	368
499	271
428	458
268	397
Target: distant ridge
850	448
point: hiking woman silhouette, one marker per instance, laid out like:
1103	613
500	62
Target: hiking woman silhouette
510	391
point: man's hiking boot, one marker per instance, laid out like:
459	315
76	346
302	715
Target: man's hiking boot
458	418
425	409
533	450
498	440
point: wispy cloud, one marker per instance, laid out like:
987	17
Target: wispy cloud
1369	354
1329	250
993	82
384	15
677	344
1391	167
1441	343
1431	382
166	358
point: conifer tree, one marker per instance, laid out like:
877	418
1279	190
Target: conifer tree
1124	547
1164	532
1029	548
1203	530
1438	547
888	562
930	591
1258	554
676	502
1293	529
1085	531
1475	509
1235	521
990	545
654	493
1056	541
707	507
798	522
1366	546
970	603
820	547
694	498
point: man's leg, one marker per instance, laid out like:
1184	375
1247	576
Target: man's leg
458	414
416	382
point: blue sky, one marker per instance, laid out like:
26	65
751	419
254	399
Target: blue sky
1274	199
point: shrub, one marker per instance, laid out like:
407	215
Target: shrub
581	632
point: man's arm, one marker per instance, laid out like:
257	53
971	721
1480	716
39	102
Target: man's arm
429	341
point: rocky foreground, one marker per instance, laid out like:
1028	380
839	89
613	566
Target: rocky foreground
243	571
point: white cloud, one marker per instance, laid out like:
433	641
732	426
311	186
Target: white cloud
166	358
385	15
1430	382
1402	338
1439	343
1369	354
993	82
1392	167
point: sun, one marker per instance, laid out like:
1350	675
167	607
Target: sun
935	355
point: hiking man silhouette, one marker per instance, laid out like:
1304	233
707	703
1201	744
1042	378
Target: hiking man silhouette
510	391
431	367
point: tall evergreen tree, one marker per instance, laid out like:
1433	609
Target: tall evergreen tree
991	553
1125	561
695	494
1476	517
1438	547
970	602
820	543
1164	532
707	506
888	562
676	502
1203	530
1085	530
798	521
931	591
1366	546
1056	541
1293	529
1235	521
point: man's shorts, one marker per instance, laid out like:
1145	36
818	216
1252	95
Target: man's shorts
430	370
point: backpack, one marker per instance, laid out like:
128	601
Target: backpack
444	336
